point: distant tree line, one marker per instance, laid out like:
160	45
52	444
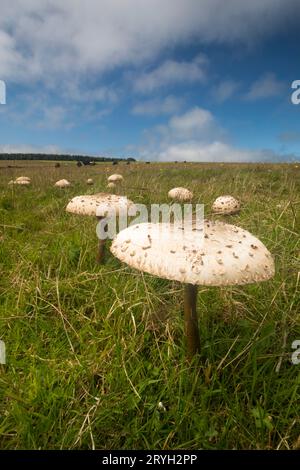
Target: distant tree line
84	159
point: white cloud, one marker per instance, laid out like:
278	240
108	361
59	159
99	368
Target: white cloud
225	90
89	94
196	136
154	107
24	148
193	122
266	86
39	110
216	151
42	40
213	152
54	117
171	72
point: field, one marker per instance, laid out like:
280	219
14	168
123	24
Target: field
92	350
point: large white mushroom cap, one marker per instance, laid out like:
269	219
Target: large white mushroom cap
98	204
23	178
23	182
217	254
114	178
62	183
180	194
226	205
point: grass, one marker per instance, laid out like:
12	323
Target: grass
92	350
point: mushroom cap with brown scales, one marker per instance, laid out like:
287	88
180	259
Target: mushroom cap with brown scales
226	205
62	183
217	254
114	178
180	194
96	204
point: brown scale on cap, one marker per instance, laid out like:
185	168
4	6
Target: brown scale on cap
178	255
98	204
226	205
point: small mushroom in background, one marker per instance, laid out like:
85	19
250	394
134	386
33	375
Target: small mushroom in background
115	178
111	185
23	178
95	204
62	183
217	254
180	194
90	181
23	181
226	205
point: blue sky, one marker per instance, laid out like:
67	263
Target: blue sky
158	80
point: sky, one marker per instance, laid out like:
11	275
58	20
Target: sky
161	80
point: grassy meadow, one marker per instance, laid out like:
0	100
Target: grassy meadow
92	350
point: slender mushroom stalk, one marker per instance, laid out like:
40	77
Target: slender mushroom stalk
96	204
191	320
217	254
101	244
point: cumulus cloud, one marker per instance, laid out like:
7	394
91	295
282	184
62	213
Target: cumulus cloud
218	152
170	73
196	136
42	40
225	90
193	122
265	87
86	94
25	148
154	107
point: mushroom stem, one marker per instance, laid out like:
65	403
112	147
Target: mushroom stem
191	321
101	245
100	252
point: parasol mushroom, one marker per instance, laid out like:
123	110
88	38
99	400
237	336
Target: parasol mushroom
217	254
96	204
23	178
115	178
226	205
180	194
62	183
